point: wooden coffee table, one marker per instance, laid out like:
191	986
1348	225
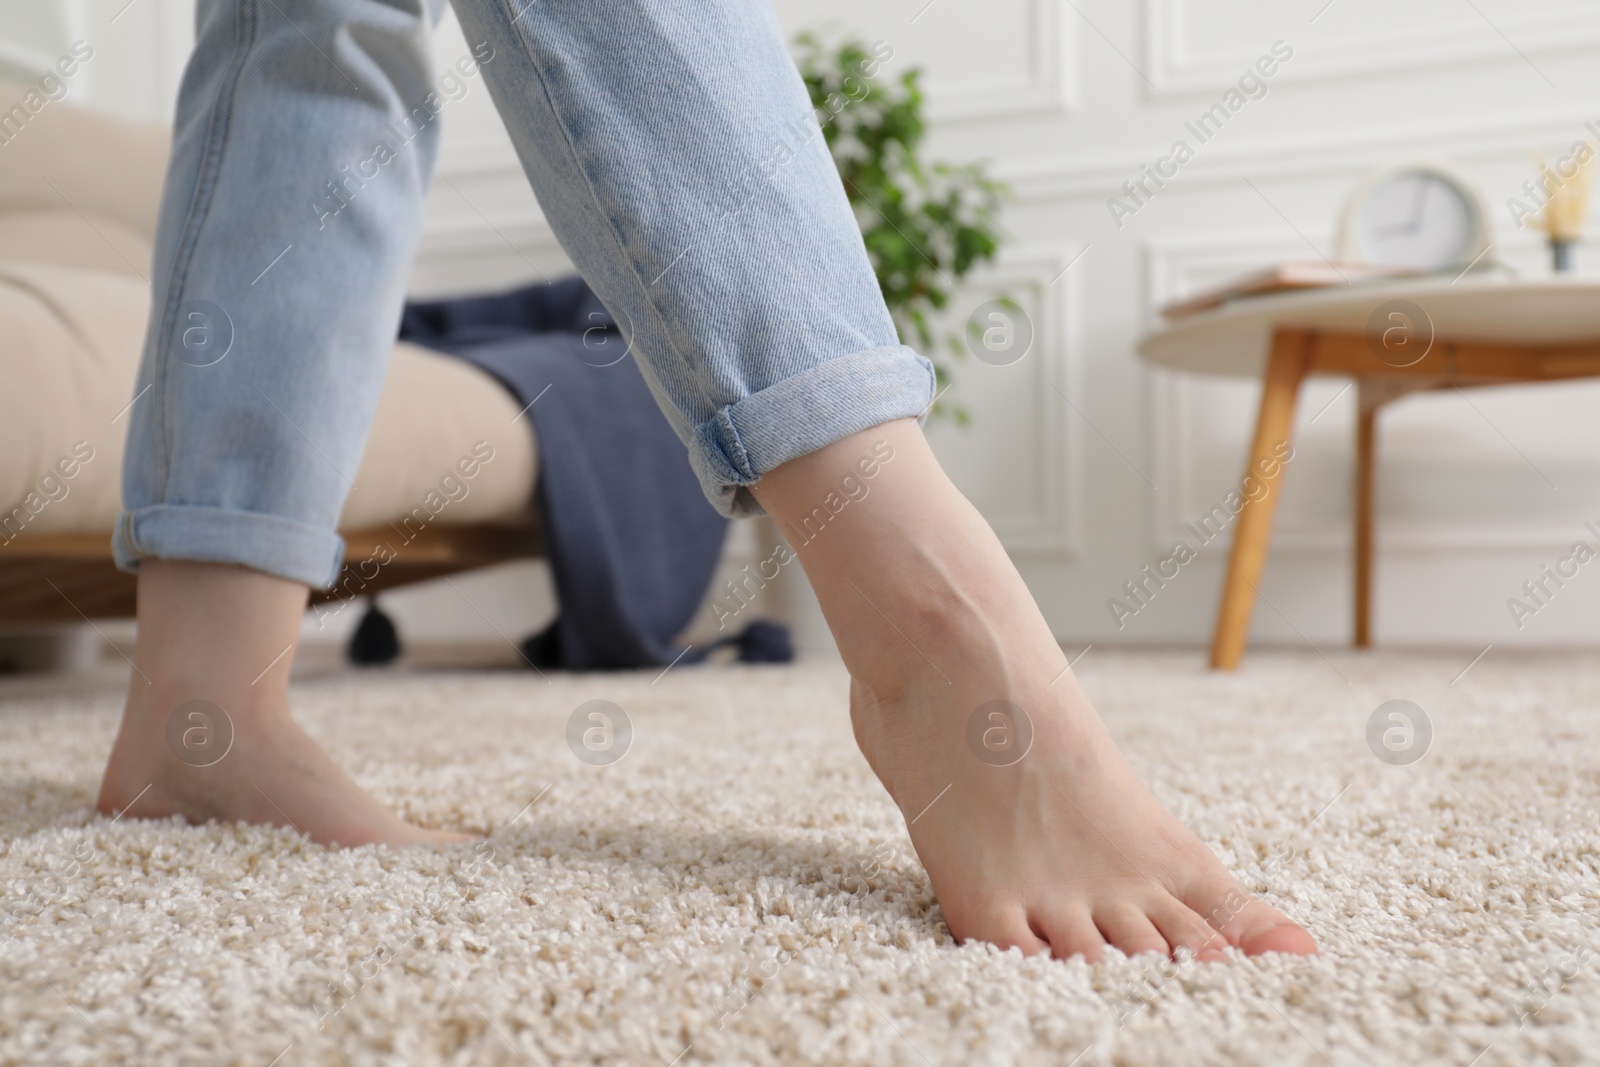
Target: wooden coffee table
1393	338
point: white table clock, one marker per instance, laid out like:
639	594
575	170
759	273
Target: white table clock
1418	216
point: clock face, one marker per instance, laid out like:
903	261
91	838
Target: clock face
1416	219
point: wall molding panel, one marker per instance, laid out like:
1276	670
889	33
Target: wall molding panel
1099	175
1176	69
1038	278
1048	87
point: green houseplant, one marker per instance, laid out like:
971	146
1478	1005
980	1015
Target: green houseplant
926	225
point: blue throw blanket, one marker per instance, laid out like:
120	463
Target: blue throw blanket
631	539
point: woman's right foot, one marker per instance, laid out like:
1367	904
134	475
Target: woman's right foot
1033	827
1064	851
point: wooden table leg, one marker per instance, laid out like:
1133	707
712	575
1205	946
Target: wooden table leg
1280	388
1366	446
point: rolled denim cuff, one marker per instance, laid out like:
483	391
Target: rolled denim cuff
813	409
268	543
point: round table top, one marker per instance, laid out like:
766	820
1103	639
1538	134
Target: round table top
1234	338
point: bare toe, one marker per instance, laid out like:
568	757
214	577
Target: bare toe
1251	923
1011	930
1183	928
1126	926
1284	935
1072	932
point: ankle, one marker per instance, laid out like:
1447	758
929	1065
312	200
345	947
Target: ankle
926	635
162	686
916	587
204	625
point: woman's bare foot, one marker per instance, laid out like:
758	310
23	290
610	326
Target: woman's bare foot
1034	829
206	732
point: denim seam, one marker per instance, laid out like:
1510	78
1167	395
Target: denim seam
756	465
730	433
611	228
218	127
125	529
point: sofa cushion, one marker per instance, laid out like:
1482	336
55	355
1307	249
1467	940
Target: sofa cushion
65	237
83	169
69	355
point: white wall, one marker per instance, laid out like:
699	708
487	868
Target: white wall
139	49
1067	100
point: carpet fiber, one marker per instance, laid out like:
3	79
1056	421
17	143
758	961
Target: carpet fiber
738	889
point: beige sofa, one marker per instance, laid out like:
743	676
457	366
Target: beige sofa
78	198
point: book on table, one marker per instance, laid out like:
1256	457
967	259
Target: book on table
1283	278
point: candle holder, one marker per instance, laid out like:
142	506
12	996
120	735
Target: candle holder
1563	215
1561	254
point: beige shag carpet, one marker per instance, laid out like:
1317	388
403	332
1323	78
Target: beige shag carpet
738	890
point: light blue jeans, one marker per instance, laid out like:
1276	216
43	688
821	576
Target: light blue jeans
674	151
